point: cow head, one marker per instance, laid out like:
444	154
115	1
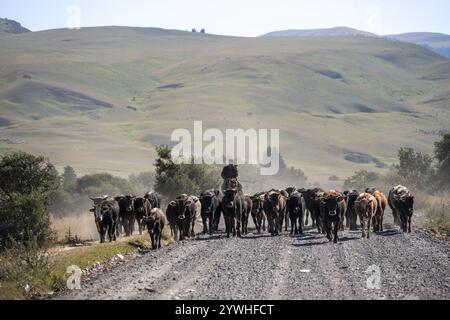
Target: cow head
295	202
139	205
129	203
406	201
207	200
371	191
97	208
274	198
228	198
256	201
291	190
152	222
331	201
183	205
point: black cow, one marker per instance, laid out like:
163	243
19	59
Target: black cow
106	213
248	205
210	205
334	207
182	215
154	198
295	210
313	205
142	208
312	202
233	205
127	217
401	202
351	216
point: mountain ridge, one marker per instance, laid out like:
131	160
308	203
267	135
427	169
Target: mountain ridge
10	27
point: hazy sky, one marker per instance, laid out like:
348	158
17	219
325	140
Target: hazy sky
235	17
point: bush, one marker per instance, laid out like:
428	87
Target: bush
102	184
361	180
24	173
27	266
25	218
414	167
26	187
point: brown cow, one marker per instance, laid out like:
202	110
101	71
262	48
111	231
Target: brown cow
366	207
275	208
379	214
258	214
155	221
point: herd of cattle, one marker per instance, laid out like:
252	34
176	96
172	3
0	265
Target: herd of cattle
330	211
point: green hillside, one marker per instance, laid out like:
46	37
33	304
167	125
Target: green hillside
99	99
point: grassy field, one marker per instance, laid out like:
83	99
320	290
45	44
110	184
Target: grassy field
61	257
68	94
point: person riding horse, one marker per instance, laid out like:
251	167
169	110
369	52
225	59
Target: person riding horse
230	176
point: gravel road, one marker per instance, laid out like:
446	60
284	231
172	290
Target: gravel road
410	266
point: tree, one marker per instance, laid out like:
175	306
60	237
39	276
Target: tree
203	31
442	149
24	173
442	155
194	30
361	180
27	184
175	179
414	166
102	184
69	176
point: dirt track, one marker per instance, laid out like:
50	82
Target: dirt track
412	266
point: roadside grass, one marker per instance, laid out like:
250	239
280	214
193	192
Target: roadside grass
437	213
52	276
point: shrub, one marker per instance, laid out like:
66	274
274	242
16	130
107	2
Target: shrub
26	187
361	180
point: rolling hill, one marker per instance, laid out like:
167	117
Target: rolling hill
9	27
335	32
100	99
437	42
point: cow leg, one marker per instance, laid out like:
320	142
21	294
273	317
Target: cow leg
363	226
211	224
328	224
336	230
286	221
307	218
409	224
204	221
238	227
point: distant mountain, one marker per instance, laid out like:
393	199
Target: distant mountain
338	31
437	42
8	27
